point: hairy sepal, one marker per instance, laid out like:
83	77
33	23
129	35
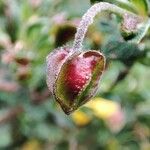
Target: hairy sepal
78	79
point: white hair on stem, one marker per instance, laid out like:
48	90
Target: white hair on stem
88	19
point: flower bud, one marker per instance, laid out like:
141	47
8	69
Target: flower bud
73	77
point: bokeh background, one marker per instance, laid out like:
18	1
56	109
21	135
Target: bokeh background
118	118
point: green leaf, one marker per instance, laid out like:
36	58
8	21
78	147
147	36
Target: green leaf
121	50
64	33
146	59
123	4
141	6
5	138
94	1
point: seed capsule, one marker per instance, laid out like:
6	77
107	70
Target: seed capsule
73	77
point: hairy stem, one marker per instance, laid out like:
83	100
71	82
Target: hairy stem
88	19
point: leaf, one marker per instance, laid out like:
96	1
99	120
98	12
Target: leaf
141	6
122	51
143	109
94	1
5	138
64	33
146	59
121	3
48	132
13	19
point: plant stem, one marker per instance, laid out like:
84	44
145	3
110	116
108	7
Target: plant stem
88	18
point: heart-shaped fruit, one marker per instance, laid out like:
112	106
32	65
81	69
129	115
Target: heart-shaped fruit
73	77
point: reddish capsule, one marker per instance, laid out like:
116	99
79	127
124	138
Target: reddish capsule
73	77
79	71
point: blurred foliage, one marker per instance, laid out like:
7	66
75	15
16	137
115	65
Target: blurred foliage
29	117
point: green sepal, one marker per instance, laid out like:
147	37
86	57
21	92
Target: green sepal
65	99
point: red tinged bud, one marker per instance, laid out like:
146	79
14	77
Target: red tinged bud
54	62
73	77
79	71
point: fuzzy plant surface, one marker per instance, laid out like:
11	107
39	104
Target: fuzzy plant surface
73	74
